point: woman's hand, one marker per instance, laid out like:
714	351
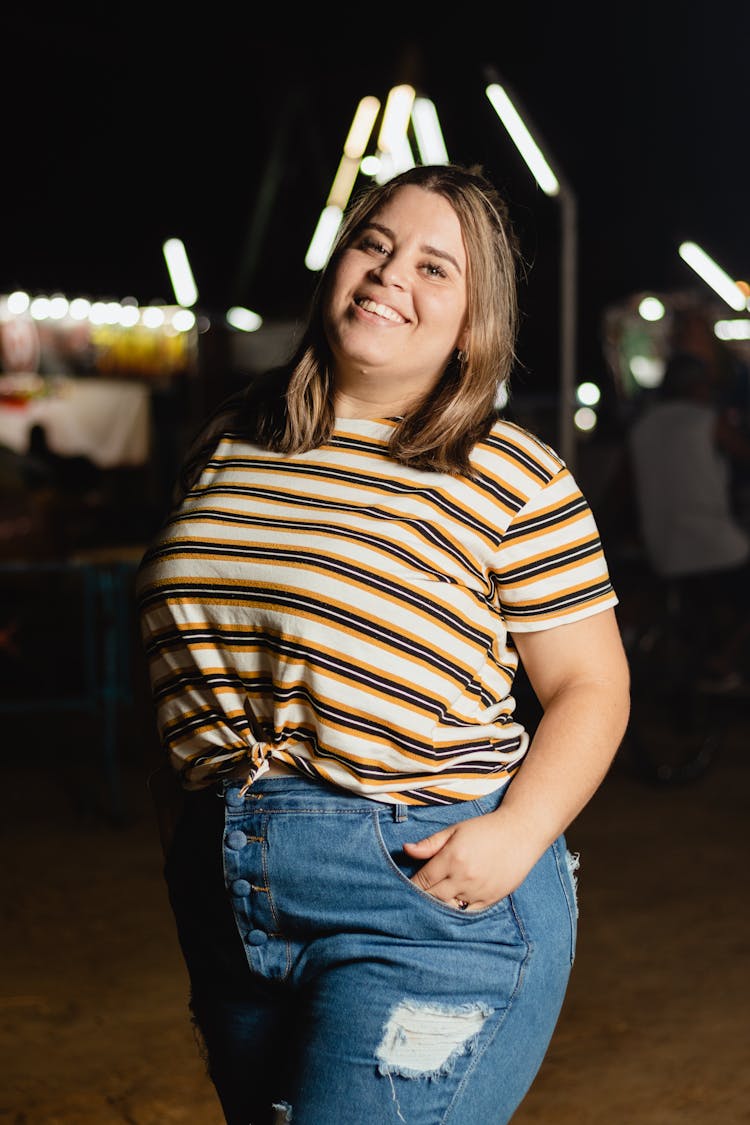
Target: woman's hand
476	861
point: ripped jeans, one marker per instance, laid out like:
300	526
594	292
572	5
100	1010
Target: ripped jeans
330	990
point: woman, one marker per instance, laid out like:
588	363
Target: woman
377	924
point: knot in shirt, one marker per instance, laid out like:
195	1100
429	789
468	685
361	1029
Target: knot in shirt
258	753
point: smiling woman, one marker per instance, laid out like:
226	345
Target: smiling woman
360	550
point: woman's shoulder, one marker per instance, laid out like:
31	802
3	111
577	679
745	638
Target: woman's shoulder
509	441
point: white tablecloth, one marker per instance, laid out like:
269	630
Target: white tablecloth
106	420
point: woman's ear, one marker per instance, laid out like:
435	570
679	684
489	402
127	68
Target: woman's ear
462	343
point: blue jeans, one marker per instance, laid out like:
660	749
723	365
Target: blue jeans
325	982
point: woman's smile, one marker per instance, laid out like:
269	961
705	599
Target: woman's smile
379	311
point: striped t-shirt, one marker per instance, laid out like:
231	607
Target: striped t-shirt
349	617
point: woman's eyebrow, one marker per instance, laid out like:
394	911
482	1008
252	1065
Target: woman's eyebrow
433	250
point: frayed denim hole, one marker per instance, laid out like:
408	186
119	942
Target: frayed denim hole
573	862
425	1040
567	865
199	1037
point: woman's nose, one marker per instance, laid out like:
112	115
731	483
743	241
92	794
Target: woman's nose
391	272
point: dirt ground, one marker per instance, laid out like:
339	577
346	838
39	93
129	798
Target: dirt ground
94	1027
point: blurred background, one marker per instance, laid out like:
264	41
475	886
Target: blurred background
169	196
226	145
170	184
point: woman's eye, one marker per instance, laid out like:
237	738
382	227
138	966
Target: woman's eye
435	271
373	244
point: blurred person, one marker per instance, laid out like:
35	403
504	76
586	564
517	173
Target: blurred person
681	448
369	874
692	333
70	473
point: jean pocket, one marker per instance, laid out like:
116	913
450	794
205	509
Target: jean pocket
391	837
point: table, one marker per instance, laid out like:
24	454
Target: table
109	421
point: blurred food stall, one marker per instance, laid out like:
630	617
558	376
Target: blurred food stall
83	385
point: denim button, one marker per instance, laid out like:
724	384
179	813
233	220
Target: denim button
233	796
240	887
236	840
257	937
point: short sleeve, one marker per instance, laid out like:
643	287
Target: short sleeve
550	568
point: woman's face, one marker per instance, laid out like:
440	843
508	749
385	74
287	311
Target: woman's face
396	306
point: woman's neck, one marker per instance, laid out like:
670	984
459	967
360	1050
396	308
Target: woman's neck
347	405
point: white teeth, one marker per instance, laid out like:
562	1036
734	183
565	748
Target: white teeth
380	310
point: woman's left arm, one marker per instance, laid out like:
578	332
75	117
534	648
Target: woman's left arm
579	672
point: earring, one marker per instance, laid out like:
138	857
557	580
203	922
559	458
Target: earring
461	355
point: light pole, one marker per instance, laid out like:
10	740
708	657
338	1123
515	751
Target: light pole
552	184
714	276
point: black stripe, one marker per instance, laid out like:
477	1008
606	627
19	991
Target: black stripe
589	549
563	602
546	519
523	457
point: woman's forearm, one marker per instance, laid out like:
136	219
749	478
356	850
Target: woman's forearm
570	754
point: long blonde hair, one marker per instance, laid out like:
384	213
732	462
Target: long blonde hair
291	410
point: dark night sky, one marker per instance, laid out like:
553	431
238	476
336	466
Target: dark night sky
116	139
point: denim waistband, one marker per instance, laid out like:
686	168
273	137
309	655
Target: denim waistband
316	793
